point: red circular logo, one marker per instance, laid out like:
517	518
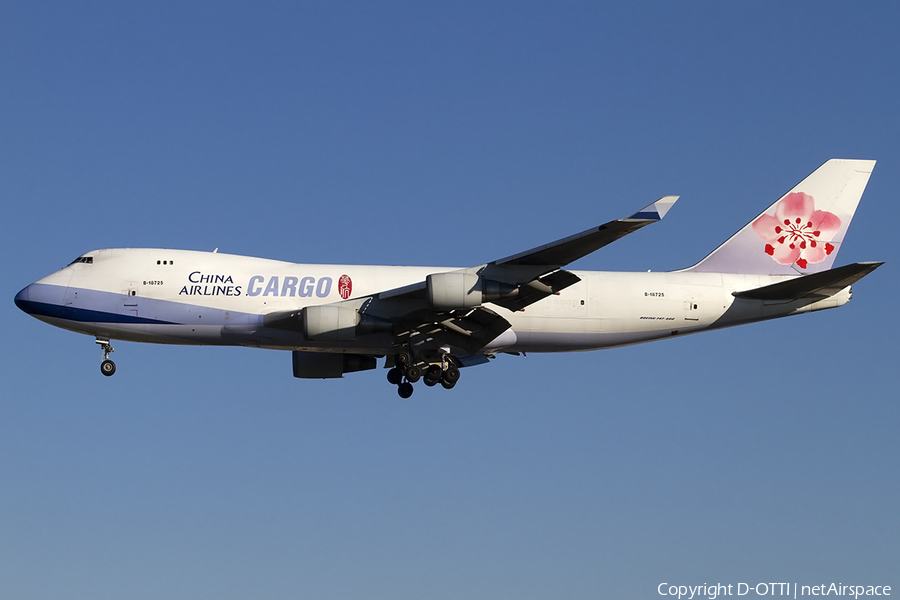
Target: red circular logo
345	286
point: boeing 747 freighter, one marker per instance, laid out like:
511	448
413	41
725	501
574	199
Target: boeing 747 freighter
428	322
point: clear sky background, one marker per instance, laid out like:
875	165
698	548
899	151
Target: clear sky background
443	134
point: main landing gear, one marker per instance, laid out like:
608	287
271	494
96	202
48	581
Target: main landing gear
107	367
407	370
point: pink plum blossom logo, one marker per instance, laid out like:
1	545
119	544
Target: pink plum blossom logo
797	233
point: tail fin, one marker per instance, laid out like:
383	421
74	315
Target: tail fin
803	231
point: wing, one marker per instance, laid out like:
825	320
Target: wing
448	310
535	272
562	252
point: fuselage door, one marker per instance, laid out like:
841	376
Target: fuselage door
691	309
130	297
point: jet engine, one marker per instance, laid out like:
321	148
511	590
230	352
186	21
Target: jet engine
460	289
335	323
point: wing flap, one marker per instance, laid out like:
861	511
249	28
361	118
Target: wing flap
470	330
539	289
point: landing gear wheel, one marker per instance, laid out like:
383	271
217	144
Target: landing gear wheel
404	358
432	375
405	389
451	376
413	374
108	367
395	376
448	385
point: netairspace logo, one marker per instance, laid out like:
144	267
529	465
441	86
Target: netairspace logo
713	591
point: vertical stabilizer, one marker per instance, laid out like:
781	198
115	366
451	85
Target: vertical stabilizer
803	231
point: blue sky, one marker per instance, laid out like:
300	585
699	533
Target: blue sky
433	134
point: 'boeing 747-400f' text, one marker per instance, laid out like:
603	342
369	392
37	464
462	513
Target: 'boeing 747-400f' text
430	321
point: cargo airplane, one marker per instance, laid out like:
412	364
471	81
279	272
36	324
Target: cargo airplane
428	322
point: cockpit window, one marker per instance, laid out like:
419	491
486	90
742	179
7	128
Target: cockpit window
89	260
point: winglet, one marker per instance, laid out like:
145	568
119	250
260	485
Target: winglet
655	211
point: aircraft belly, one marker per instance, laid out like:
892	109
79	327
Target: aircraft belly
574	341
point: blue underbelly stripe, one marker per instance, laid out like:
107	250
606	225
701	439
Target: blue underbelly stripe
82	314
95	306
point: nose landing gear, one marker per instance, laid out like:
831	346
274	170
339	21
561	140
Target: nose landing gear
107	367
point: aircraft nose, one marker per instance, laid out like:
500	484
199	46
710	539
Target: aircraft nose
41	299
22	299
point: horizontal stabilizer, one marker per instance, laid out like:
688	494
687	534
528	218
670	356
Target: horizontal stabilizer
824	284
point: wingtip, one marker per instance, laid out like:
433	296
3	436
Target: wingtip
655	211
664	204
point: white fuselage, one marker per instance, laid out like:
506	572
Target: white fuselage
188	297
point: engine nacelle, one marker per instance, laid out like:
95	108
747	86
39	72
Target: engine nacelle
459	289
329	323
322	365
454	290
